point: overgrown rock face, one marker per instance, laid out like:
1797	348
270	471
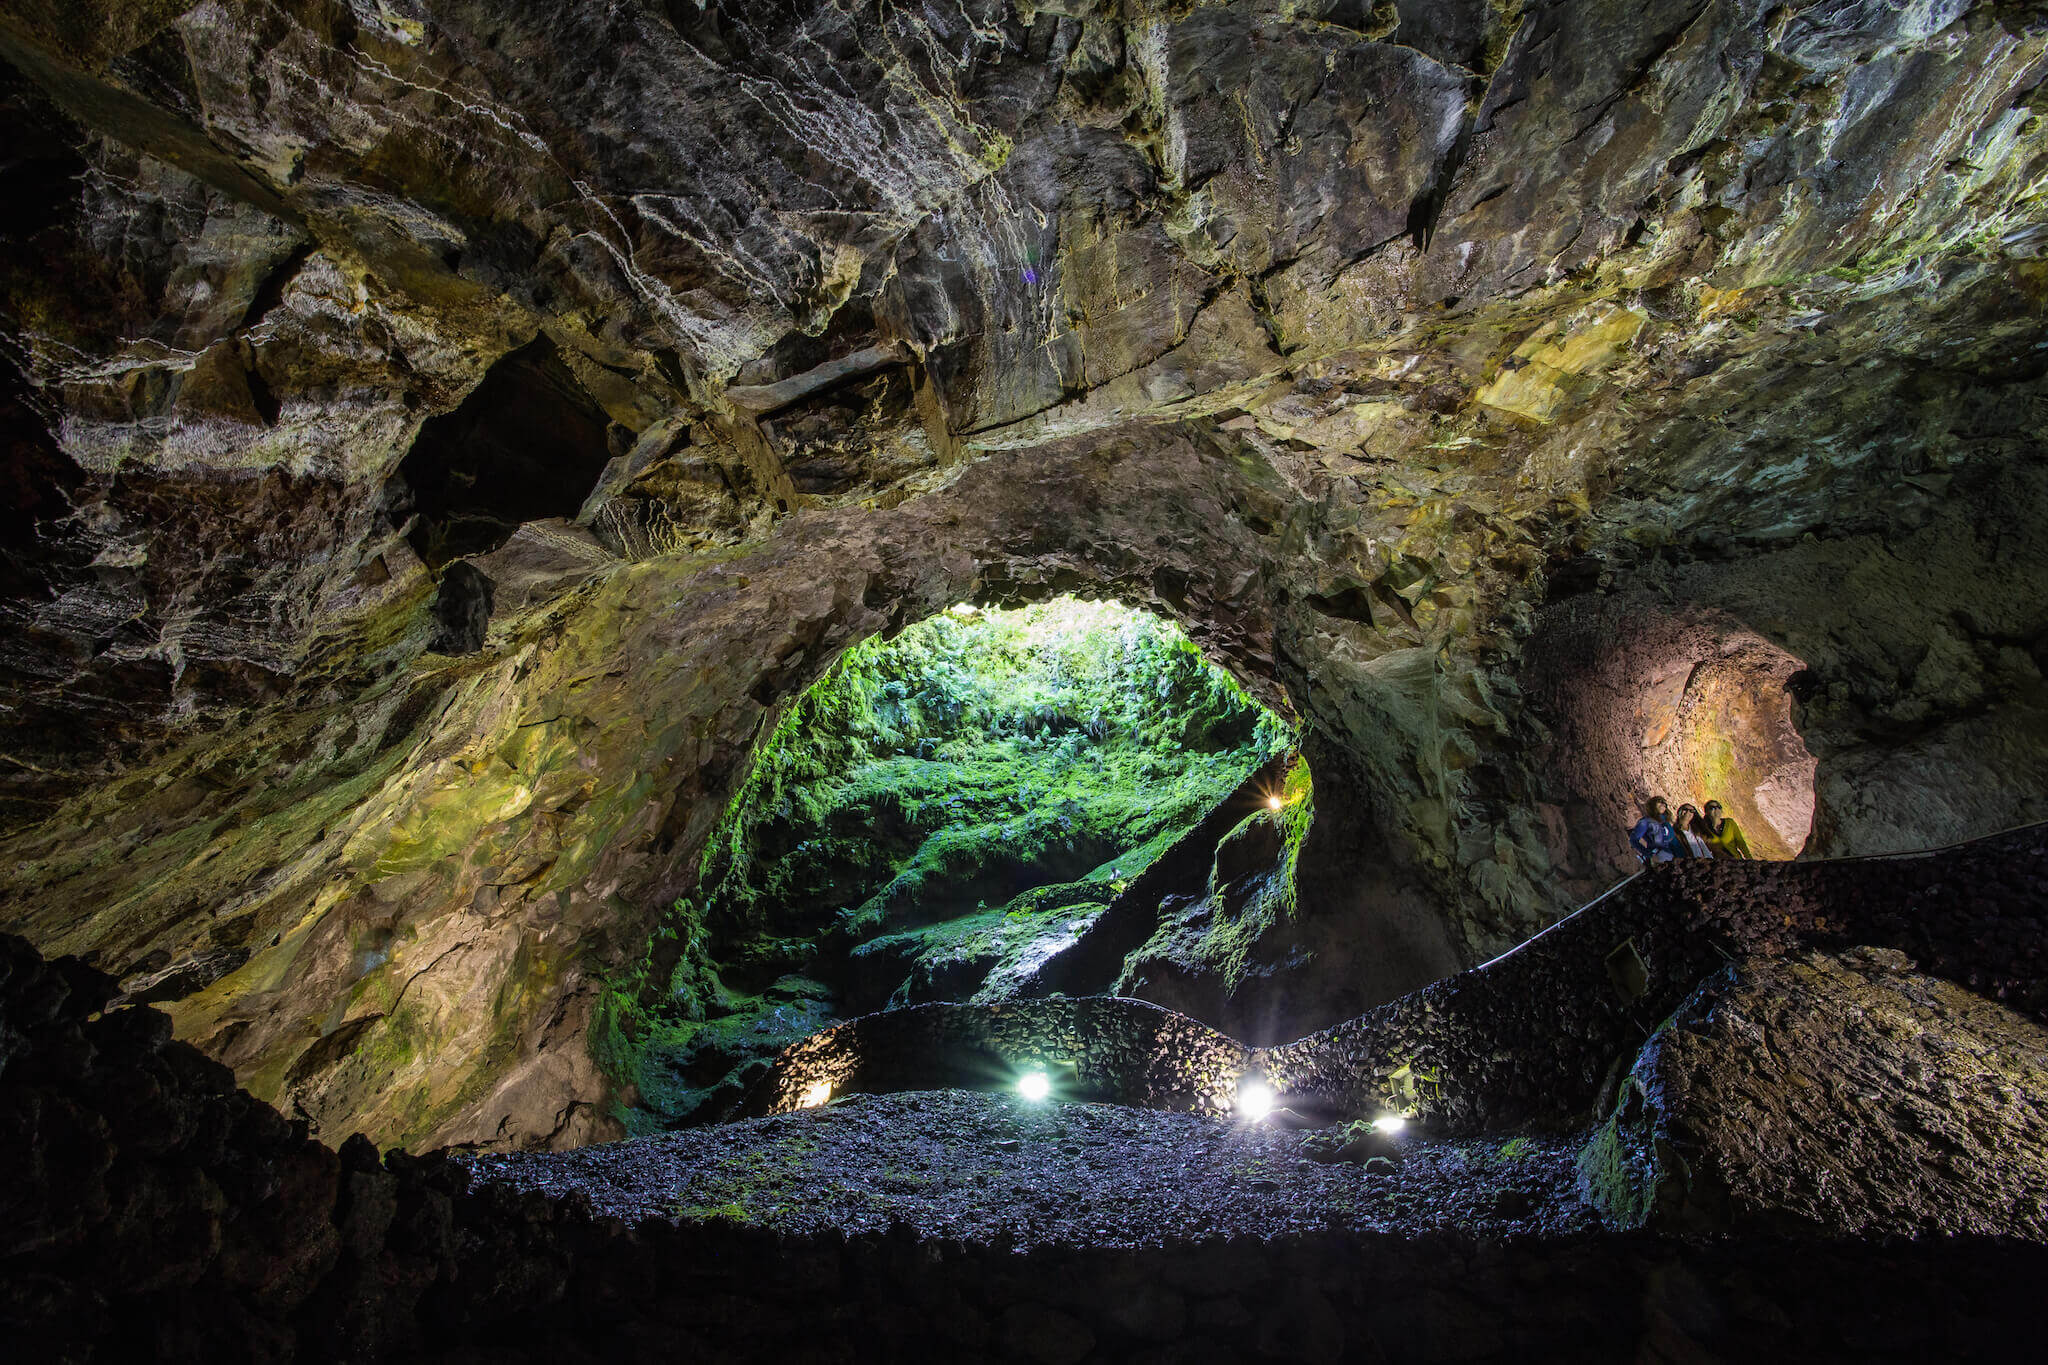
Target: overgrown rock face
933	819
1358	337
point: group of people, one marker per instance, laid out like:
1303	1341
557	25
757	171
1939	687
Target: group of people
1659	837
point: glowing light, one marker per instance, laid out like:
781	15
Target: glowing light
1034	1085
1389	1123
1254	1099
815	1095
1273	802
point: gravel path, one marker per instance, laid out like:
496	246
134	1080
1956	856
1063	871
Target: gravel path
991	1167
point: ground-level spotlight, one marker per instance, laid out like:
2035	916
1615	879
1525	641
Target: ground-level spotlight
1034	1085
1273	802
814	1095
1254	1099
1389	1124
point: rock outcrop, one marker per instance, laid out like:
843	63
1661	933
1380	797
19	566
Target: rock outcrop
1834	1093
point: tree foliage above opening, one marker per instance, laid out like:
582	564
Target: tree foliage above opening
972	757
930	809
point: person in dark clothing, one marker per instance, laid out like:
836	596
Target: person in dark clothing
1653	838
1692	841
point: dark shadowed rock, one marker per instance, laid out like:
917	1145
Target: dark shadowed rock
462	610
1834	1093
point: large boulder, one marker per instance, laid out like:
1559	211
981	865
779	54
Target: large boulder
1832	1093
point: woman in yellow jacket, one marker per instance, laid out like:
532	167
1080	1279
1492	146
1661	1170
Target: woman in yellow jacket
1723	836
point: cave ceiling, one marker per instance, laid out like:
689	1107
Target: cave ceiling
438	433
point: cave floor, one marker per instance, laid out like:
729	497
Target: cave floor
970	1166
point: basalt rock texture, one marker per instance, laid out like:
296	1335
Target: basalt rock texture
439	433
1837	1093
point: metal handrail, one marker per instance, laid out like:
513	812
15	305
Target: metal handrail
1811	862
1562	920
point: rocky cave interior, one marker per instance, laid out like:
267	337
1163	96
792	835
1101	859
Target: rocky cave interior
614	617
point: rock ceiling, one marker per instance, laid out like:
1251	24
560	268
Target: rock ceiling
438	433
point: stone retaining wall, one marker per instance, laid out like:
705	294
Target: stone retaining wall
1095	1047
1540	1035
153	1212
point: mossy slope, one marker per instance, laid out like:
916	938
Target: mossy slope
922	822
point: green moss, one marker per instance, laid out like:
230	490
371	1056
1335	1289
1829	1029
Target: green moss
929	807
1251	889
1611	1180
974	755
731	1212
996	149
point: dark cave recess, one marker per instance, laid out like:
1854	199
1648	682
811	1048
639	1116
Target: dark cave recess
528	443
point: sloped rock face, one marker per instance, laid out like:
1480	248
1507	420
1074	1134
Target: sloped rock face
1359	337
1842	1093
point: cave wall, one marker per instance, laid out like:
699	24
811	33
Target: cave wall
1348	338
1925	644
428	906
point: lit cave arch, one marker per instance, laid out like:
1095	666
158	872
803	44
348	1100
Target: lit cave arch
1066	797
1650	699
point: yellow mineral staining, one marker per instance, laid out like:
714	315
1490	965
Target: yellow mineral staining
1560	362
1719	302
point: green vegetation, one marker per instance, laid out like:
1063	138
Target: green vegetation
932	808
973	757
1611	1178
1251	893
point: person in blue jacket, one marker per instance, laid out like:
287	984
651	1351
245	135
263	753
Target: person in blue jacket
1653	838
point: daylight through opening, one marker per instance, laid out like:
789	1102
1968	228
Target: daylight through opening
946	815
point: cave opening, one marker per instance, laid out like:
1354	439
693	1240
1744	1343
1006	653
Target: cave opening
946	815
528	443
1721	728
1681	701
